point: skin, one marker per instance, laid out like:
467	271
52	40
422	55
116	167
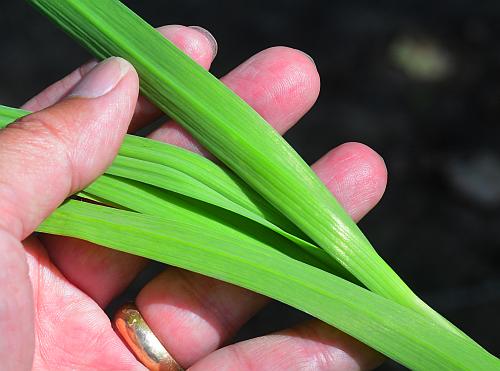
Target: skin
54	289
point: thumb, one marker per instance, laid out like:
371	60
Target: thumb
47	156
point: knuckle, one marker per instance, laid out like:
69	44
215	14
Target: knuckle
44	127
45	137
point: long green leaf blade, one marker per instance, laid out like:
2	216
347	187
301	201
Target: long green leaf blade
9	114
214	176
149	200
234	132
189	174
153	201
228	254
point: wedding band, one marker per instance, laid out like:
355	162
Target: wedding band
139	338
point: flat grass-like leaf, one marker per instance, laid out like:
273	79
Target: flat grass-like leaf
185	173
234	133
9	114
167	220
186	211
226	253
178	170
214	176
149	200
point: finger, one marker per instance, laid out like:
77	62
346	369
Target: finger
46	156
102	273
196	42
280	83
359	185
310	346
193	315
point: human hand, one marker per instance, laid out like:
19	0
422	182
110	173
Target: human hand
53	289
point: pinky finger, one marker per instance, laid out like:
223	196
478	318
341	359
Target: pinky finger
310	346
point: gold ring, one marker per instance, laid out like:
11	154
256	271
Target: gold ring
139	338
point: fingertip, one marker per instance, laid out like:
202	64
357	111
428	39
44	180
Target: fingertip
298	60
356	175
374	170
211	39
282	83
198	43
300	67
128	70
129	83
103	78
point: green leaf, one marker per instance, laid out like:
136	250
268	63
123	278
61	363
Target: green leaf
189	174
148	200
193	228
234	133
226	253
237	250
9	115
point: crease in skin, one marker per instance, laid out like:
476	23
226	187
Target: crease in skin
71	313
16	305
28	144
325	346
172	133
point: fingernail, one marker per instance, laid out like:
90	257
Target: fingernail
101	79
209	36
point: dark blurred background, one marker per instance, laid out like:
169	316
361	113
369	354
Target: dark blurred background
418	81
